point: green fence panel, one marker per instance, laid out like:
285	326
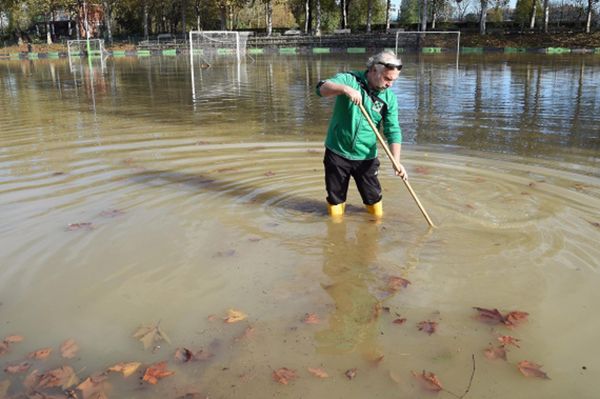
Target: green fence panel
33	56
118	53
321	50
431	50
169	52
514	50
287	50
356	50
15	56
256	51
53	55
557	50
597	50
225	51
143	53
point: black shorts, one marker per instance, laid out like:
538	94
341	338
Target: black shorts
337	178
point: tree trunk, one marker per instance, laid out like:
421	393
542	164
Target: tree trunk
146	12
107	21
183	20
223	15
369	15
269	17
424	16
306	16
318	24
197	8
388	17
48	32
588	22
533	12
483	17
434	17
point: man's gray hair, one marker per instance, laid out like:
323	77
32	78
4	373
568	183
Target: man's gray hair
385	57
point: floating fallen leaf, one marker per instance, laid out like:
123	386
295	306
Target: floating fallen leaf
351	373
40	354
595	224
13	339
318	372
269	173
185	355
423	170
399	321
17	368
495	353
233	316
395	377
69	348
284	375
493	316
63	377
514	318
80	226
508	340
111	213
94	387
395	283
427	326
149	335
429	381
530	369
248	333
157	371
3	348
125	368
311	318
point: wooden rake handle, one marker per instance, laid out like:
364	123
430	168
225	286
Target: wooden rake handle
395	163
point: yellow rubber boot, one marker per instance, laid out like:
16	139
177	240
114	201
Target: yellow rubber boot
376	209
336	211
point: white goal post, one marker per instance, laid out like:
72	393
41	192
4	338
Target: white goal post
421	40
218	43
89	47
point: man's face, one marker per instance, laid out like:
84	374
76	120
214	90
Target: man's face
384	79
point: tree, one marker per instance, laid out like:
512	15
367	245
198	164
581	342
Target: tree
588	20
369	14
424	16
483	17
409	12
461	8
546	13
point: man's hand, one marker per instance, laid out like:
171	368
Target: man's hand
353	95
402	172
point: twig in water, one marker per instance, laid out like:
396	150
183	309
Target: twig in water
468	386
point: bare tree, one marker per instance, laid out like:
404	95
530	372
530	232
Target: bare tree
461	8
424	16
318	23
533	14
388	17
483	16
588	20
269	16
546	11
369	15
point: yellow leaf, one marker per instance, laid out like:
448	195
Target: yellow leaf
234	316
125	368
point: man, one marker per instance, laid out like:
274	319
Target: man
351	144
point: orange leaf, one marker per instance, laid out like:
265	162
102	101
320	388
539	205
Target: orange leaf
233	316
318	372
94	387
311	318
125	368
508	340
284	375
156	372
40	354
530	369
69	348
514	318
17	368
13	339
149	335
248	333
395	283
63	377
428	381
399	321
3	348
495	353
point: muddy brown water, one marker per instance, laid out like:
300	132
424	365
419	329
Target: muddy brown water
132	194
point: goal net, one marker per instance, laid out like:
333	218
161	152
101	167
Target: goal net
428	41
210	43
90	48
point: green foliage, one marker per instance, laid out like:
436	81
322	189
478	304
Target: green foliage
409	12
523	11
357	15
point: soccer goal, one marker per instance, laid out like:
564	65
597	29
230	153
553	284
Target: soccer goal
210	43
91	48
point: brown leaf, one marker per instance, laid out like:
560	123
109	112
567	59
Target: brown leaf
157	371
233	316
530	369
40	354
63	377
429	381
94	387
80	226
395	377
248	333
423	170
514	318
125	368
111	213
284	375
185	355
351	373
508	340
149	335
427	326
395	283
69	348
318	372
17	368
495	353
491	316
311	318
3	348
399	321
31	380
13	339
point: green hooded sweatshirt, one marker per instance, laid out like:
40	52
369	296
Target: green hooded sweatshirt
349	134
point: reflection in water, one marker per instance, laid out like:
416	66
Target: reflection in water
349	261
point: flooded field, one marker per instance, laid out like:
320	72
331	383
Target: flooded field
136	194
